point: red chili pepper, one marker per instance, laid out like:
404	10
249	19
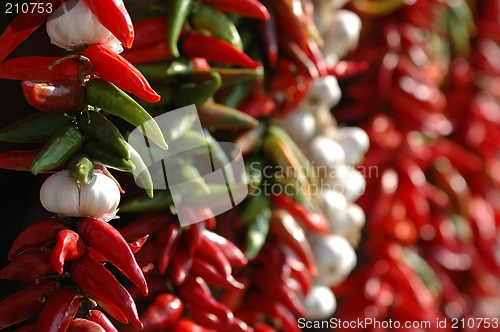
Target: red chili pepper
100	318
135	247
114	16
300	273
28	266
234	255
168	239
163	313
192	236
314	53
245	8
84	325
69	247
101	285
314	221
298	57
149	54
292	21
105	239
212	276
28	328
26	303
345	69
182	263
211	253
185	325
112	67
269	34
23	25
287	231
287	319
150	31
35	236
147	255
196	45
148	224
36	68
54	97
258	105
59	310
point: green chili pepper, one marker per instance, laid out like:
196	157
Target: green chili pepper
154	71
34	128
179	67
98	127
222	117
81	168
254	168
211	20
258	229
189	173
235	95
61	146
177	13
161	201
219	157
141	171
107	96
255	205
100	155
197	93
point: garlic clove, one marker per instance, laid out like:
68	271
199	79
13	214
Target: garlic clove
335	259
320	303
348	223
343	34
324	151
333	204
325	91
348	181
59	194
355	142
99	198
300	125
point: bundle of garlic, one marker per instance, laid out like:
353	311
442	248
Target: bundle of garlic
334	153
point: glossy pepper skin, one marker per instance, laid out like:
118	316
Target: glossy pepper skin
36	68
35	236
84	325
104	238
177	13
114	16
246	8
97	282
112	67
26	303
69	247
100	318
58	311
28	266
54	97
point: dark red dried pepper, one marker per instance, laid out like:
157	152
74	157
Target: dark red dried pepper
28	266
234	255
54	97
112	67
36	68
148	224
214	277
246	8
168	239
105	239
59	310
101	285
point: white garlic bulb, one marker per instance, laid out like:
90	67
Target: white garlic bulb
324	151
335	258
342	35
333	204
325	91
300	125
348	223
355	142
73	25
61	194
349	181
320	303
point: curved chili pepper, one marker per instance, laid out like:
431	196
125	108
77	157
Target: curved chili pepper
23	25
162	313
100	284
59	310
212	254
84	325
148	54
222	117
207	18
100	155
112	67
25	303
345	69
97	126
168	239
298	57
177	13
113	15
287	319
141	171
196	45
192	235
246	8
54	97
313	221
212	276
300	273
61	146
269	34
234	255
28	266
135	247
290	18
147	224
182	263
100	318
287	231
33	128
108	241
18	160
28	328
107	96
35	236
69	247
36	68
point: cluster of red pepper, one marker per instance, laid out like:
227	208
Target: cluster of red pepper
428	250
